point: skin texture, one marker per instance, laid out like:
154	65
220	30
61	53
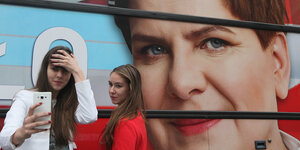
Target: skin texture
187	66
58	78
118	88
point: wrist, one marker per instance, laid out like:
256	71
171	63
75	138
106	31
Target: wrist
78	75
17	138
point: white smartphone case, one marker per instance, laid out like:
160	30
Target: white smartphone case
45	98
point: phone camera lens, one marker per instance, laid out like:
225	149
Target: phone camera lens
42	97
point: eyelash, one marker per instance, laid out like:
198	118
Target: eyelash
146	50
223	44
55	69
118	86
205	45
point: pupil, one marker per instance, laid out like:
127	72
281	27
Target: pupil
157	49
216	43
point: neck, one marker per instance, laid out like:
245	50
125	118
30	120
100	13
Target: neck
277	141
54	94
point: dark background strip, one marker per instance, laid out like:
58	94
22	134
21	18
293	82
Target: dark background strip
173	114
101	9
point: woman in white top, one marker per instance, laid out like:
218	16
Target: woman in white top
73	103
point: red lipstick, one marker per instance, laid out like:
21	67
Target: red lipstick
58	82
189	127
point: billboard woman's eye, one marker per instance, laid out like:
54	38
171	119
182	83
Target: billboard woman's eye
149	53
153	50
214	44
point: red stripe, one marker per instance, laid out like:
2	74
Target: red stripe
288	11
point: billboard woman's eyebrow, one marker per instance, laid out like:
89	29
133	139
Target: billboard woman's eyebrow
146	38
205	30
192	34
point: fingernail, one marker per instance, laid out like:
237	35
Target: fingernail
41	103
49	113
49	121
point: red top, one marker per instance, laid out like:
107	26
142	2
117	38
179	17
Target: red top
130	135
290	104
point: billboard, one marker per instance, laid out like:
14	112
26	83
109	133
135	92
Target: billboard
184	66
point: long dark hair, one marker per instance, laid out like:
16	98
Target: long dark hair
130	108
63	114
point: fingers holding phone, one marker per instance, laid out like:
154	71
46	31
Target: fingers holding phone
40	112
37	120
32	123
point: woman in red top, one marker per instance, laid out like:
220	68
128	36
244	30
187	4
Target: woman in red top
126	127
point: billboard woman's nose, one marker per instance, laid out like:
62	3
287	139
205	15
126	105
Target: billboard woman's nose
185	78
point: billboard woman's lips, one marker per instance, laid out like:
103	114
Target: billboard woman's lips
190	127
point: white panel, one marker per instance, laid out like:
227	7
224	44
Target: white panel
44	40
294	82
2	48
8	91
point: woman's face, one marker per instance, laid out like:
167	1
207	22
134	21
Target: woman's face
118	88
189	66
58	77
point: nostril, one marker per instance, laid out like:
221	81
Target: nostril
195	92
173	95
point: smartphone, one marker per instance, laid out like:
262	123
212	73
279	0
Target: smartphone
45	98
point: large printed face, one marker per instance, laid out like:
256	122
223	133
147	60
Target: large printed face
187	66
